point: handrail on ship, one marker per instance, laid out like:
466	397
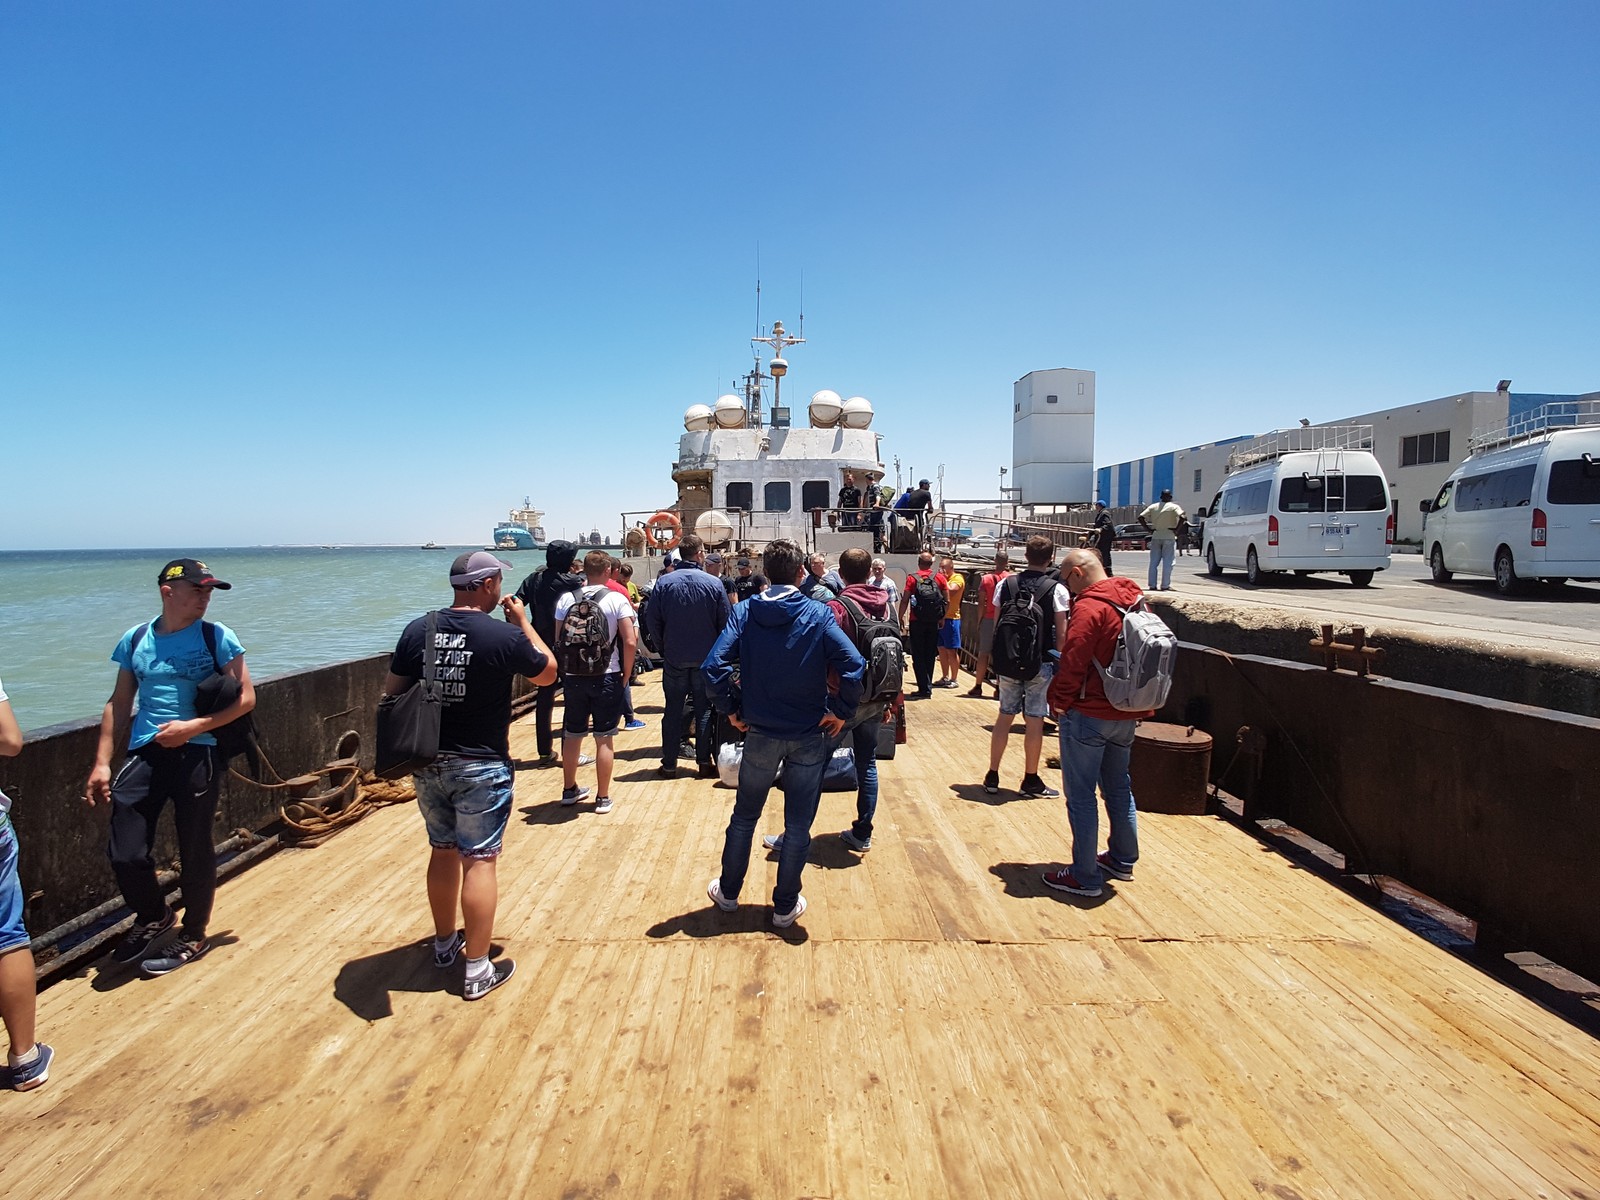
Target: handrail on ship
1536	422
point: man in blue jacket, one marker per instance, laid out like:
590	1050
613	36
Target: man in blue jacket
687	610
783	645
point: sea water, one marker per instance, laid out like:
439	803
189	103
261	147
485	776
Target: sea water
62	611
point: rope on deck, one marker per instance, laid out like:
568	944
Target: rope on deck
311	817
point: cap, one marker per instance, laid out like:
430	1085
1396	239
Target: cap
1099	503
922	483
1166	493
472	568
714	557
743	561
190	570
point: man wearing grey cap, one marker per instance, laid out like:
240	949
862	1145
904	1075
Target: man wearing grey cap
465	793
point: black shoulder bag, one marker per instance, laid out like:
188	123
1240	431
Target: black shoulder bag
408	724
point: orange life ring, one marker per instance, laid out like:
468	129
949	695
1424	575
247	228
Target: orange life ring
664	530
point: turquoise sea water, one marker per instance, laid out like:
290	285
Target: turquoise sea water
61	612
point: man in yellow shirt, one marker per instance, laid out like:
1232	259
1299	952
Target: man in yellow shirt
1162	520
950	627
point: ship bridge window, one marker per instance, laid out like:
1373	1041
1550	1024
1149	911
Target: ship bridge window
814	494
740	495
776	496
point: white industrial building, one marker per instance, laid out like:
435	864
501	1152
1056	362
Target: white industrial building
1052	437
1418	445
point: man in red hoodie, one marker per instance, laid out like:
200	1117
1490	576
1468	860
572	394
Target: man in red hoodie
1096	738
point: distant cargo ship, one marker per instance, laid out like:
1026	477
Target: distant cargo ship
521	530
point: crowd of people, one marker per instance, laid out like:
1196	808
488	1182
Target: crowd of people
789	664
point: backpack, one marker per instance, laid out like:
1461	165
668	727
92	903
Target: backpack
878	640
1139	675
1019	632
584	647
215	692
927	600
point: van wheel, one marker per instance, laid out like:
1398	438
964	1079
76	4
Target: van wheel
1505	572
1361	578
1436	565
1213	569
1252	568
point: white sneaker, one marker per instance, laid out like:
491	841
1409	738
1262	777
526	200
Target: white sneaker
784	920
602	804
714	890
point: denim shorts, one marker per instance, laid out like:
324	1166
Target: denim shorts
592	698
465	803
950	633
13	934
1031	698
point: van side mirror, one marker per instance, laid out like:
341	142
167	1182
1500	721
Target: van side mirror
1201	512
1425	506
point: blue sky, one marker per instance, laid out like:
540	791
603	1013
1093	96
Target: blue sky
298	272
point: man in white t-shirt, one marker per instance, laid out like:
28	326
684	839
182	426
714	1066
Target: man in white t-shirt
595	643
1162	520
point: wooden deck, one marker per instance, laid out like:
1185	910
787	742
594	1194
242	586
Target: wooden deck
938	1023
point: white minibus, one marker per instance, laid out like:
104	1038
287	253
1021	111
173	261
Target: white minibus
1526	504
1306	511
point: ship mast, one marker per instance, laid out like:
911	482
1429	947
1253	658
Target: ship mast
777	368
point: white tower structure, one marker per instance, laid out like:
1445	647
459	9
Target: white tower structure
1052	437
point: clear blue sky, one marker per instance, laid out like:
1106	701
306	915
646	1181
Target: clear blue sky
301	272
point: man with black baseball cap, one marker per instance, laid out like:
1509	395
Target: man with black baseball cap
171	755
465	793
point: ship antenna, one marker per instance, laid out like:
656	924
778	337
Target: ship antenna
801	332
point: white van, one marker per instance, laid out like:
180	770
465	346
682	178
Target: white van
1284	508
1525	505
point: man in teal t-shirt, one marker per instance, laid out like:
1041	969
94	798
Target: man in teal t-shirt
171	755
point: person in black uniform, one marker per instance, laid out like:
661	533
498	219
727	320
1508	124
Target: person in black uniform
1104	533
850	502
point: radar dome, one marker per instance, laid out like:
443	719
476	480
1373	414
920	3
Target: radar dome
729	411
857	413
778	368
825	407
713	527
697	417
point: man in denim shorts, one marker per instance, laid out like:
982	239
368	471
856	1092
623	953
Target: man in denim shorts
27	1061
1029	697
465	793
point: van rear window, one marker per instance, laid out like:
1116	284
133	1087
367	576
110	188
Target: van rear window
1574	481
1336	493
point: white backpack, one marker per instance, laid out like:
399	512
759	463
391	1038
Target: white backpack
1140	673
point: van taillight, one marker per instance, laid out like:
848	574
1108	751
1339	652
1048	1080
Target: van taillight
1539	525
1388	531
1272	531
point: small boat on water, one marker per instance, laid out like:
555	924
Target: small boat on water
430	545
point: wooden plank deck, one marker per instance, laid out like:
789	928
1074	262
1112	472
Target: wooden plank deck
938	1023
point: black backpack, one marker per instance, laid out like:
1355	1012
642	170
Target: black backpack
927	600
878	640
217	691
1019	631
584	648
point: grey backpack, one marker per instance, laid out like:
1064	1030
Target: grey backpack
1140	672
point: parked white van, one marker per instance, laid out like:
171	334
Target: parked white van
1525	505
1303	500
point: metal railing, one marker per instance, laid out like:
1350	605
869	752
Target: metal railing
1537	422
1306	437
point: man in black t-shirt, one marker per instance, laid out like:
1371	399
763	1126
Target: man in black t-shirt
1104	534
745	584
540	592
850	502
465	793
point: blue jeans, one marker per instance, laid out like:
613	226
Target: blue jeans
13	933
465	803
1095	752
863	740
678	684
803	760
1162	553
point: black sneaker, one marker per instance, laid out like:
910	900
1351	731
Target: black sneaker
184	949
991	782
499	972
1034	787
136	944
708	771
667	772
447	957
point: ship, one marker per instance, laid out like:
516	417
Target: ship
521	530
746	474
